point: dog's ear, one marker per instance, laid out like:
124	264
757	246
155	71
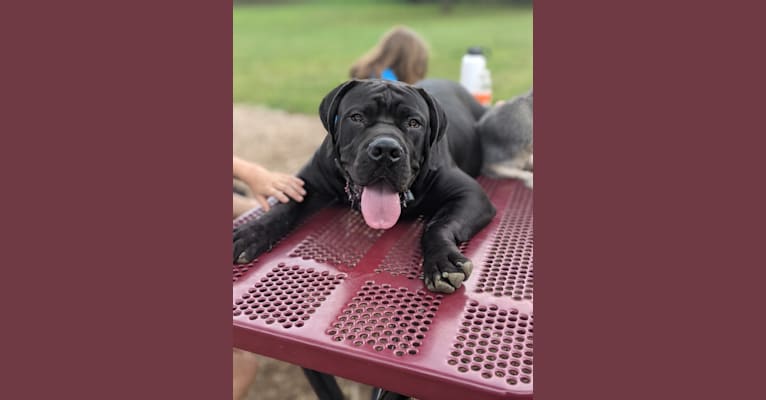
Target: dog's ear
437	123
328	108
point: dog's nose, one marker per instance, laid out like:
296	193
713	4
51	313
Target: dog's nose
385	147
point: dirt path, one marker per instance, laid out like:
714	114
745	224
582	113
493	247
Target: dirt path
283	142
274	138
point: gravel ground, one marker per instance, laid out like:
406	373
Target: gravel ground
275	139
282	142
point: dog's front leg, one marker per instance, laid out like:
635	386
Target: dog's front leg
257	236
460	216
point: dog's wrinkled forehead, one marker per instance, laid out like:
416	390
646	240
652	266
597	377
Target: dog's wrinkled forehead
383	97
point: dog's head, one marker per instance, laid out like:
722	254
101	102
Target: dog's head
382	133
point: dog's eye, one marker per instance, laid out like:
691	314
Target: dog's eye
413	123
356	117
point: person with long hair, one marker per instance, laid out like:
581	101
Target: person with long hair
401	54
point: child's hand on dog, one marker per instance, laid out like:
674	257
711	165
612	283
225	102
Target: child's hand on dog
264	183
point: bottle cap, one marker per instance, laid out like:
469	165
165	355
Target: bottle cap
475	50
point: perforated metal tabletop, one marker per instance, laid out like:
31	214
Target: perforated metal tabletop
339	297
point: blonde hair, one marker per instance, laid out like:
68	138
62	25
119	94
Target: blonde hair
400	49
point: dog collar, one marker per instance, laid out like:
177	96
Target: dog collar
407	197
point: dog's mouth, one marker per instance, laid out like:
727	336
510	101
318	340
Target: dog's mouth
379	191
381	205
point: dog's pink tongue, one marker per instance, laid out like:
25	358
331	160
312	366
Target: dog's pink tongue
380	206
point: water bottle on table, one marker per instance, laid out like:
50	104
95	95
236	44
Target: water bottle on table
475	76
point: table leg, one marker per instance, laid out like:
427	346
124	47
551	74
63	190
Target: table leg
382	394
324	385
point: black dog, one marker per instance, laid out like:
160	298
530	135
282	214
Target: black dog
386	153
464	113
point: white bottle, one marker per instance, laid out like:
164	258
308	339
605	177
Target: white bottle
484	94
474	75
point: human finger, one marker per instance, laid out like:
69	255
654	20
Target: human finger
296	180
279	195
263	202
293	192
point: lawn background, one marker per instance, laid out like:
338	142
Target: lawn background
288	56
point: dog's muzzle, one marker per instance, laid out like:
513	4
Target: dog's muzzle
385	149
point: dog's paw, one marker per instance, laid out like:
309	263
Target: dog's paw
446	272
250	240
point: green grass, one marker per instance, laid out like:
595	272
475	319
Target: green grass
289	56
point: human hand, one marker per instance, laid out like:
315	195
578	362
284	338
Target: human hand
243	204
264	183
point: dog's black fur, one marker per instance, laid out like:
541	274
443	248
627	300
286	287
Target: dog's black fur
463	113
425	166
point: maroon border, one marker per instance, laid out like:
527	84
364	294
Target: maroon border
645	121
116	144
648	203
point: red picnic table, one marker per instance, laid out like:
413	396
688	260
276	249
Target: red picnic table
344	299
